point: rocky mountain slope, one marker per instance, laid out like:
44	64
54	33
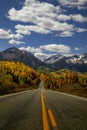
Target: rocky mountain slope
14	54
56	62
75	62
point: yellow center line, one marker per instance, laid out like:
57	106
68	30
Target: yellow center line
45	121
52	119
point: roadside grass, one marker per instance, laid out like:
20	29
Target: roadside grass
13	88
74	89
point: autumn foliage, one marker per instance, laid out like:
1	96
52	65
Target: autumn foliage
63	77
16	75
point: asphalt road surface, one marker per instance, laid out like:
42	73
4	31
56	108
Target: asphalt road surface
42	109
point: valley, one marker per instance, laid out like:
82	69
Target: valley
16	74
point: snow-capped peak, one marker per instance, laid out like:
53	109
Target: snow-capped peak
53	59
74	59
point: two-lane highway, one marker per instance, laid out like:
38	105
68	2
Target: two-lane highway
42	109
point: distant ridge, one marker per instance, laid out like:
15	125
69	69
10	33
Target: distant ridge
14	54
56	62
75	62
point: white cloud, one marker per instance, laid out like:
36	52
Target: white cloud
63	17
75	17
15	42
31	49
79	18
66	34
42	56
21	29
81	30
4	34
38	52
17	36
45	18
34	11
27	29
7	34
56	48
44	28
63	30
77	49
53	25
80	4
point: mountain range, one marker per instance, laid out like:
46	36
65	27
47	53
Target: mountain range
56	62
14	54
75	62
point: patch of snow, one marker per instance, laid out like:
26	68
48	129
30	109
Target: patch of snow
53	59
85	61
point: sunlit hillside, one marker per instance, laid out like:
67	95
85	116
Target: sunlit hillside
15	76
66	81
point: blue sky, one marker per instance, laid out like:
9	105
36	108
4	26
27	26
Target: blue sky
44	27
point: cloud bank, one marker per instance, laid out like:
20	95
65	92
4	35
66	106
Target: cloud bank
46	18
50	49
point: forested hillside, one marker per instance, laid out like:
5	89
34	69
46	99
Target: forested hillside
66	81
14	76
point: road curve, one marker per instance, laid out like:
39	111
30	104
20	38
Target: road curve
24	111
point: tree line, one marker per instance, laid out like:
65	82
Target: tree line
16	75
59	79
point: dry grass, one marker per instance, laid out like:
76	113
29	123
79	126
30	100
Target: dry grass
75	89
